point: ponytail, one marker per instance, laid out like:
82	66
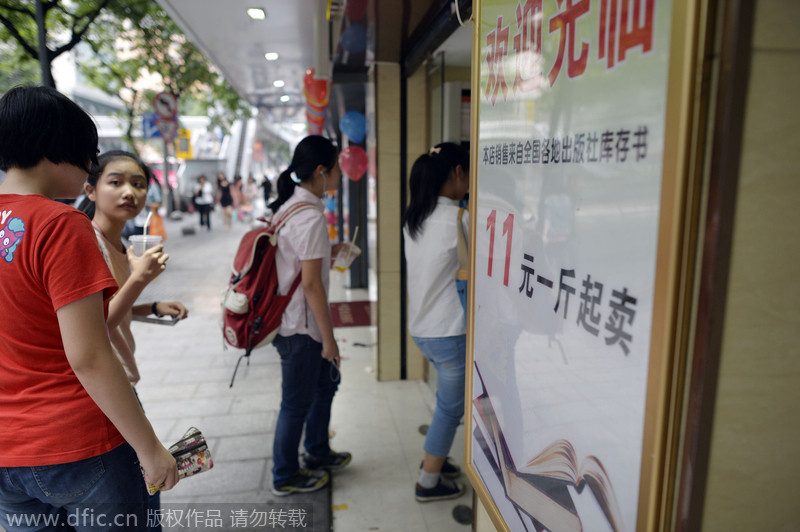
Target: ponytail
428	175
311	152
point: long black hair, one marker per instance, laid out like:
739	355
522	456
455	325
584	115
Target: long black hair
311	152
86	205
428	175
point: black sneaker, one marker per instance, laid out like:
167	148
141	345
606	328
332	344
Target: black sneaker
445	489
304	481
449	469
333	462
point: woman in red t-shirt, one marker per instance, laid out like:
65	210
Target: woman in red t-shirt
74	438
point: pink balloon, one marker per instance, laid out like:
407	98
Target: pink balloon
331	218
353	160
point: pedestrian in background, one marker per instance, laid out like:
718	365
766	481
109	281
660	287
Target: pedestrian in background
225	199
204	200
266	185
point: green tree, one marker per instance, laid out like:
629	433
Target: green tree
137	51
136	39
16	70
45	29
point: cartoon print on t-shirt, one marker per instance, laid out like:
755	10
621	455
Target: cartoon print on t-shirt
10	237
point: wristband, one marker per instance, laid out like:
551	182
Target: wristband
154	309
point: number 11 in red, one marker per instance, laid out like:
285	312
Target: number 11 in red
508	230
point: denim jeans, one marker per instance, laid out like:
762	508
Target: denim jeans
449	356
308	385
106	492
462	287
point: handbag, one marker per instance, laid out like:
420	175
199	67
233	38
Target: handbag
192	455
462	274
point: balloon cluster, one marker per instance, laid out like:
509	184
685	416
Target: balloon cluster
353	160
316	93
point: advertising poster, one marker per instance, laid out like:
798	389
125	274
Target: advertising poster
570	143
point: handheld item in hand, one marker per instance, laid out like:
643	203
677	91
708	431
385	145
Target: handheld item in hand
192	455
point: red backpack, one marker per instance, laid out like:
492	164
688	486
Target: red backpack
251	305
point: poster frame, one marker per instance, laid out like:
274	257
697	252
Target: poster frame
674	255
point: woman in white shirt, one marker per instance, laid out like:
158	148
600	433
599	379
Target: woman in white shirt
438	181
204	200
305	342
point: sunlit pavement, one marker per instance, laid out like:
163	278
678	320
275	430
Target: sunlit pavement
186	372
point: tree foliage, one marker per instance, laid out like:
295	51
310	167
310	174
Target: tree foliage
16	69
66	24
136	51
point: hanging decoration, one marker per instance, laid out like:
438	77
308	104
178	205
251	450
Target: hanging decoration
354	125
330	203
316	93
331	216
353	161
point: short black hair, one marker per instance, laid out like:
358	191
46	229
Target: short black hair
38	122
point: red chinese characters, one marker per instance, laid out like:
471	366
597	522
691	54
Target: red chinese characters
622	26
565	23
528	46
497	41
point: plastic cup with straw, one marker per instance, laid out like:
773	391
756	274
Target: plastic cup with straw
143	242
346	257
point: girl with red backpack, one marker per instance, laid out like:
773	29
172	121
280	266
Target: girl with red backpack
305	342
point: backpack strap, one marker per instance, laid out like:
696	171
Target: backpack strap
463	255
291	211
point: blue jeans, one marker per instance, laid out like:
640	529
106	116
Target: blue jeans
103	493
308	385
449	356
462	287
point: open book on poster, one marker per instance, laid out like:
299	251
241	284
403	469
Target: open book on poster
560	462
540	488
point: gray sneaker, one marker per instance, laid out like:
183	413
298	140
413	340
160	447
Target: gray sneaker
304	481
333	462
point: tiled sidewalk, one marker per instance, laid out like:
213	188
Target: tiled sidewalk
186	371
185	376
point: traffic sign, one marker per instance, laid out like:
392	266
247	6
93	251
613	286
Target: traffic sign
168	128
166	105
149	128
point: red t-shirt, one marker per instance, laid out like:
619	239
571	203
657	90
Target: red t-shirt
49	257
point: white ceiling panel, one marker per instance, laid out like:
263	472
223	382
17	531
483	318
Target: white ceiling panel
236	44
